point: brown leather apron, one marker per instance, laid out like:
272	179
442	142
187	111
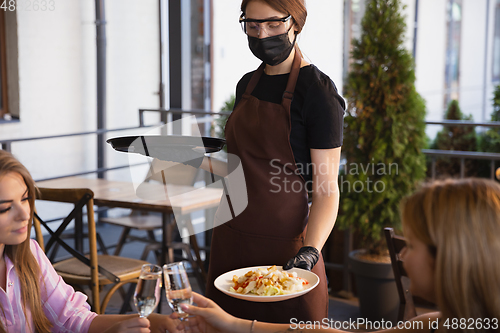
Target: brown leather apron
272	228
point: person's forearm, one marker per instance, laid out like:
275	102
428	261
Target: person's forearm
103	322
322	218
260	327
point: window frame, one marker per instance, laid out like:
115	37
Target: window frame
452	83
495	77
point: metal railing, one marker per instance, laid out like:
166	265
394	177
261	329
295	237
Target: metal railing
165	112
462	155
6	144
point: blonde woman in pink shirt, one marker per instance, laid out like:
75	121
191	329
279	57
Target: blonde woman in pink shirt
33	298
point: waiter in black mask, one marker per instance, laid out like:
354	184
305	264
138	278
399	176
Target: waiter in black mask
286	128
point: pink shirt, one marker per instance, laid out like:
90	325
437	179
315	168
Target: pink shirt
66	309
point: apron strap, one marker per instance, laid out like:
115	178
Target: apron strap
292	80
255	79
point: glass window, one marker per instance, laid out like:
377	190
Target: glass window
454	30
354	10
496	44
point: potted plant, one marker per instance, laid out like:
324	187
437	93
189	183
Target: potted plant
383	139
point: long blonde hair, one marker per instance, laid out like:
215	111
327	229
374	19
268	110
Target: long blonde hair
25	263
459	221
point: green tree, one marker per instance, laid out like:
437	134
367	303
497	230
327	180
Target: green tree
460	138
384	126
490	140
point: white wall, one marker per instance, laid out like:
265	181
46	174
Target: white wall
472	58
57	80
133	69
52	68
231	56
321	40
430	57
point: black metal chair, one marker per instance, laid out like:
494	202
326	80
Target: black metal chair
140	220
90	270
406	304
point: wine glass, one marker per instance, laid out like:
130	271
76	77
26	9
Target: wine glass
147	292
177	287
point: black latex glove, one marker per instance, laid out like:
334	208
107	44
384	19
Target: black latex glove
306	258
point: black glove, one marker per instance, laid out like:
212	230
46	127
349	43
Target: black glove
306	258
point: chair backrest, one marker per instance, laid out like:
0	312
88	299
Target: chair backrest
80	198
406	305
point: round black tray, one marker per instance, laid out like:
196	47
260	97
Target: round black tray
135	143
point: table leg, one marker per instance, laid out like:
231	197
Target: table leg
167	253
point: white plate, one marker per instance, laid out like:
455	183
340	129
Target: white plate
225	281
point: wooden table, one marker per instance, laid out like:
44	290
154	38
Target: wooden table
119	194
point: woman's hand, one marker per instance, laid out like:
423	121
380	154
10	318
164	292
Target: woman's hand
210	318
162	323
132	325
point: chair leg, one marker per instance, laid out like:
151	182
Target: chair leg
194	264
110	293
126	301
122	240
101	244
54	252
196	249
96	299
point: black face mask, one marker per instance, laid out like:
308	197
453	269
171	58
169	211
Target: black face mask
272	50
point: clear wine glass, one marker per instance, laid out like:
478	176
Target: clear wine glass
147	292
177	287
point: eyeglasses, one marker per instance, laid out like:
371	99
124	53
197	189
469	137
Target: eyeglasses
272	27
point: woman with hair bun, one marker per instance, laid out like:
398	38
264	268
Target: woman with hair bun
286	128
452	231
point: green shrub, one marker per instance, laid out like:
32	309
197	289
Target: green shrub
220	121
384	126
490	139
460	138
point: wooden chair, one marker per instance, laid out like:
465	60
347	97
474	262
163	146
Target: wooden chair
406	303
92	270
178	175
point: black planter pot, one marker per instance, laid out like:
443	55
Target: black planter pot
376	289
